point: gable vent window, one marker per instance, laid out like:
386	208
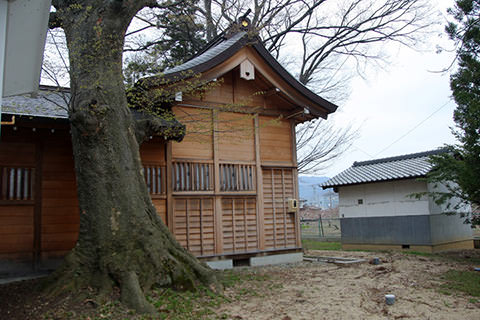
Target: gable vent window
17	183
360	201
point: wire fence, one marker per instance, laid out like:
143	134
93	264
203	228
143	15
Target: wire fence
322	228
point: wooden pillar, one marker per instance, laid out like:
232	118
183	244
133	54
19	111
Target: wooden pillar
298	235
284	202
170	218
260	206
37	209
201	225
218	200
274	209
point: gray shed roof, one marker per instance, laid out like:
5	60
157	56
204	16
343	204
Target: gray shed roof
48	103
393	168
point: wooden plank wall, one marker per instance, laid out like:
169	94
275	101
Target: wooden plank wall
197	143
208	221
227	137
16	217
280	228
153	154
275	140
60	214
194	224
236	140
58	220
239	218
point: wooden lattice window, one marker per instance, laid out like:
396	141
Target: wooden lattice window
17	183
237	177
155	179
192	176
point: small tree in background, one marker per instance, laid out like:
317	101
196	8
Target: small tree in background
461	164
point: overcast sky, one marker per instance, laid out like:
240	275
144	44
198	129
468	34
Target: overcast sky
403	109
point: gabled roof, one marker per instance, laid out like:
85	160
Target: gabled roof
224	47
407	166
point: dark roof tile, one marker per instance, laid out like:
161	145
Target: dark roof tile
47	103
401	167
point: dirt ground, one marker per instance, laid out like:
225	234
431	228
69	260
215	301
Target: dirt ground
312	290
306	290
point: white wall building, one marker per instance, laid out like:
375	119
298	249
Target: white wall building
377	210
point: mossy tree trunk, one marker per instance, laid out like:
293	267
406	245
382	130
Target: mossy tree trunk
122	241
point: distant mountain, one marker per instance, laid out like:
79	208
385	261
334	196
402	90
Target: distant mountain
310	190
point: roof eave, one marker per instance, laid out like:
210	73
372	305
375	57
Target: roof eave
318	106
170	78
369	182
321	107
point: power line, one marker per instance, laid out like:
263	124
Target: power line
363	151
418	125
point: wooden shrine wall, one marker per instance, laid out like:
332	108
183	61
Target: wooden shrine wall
222	190
235	170
17	200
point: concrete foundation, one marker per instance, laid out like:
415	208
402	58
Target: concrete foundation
457	245
14	268
276	259
220	264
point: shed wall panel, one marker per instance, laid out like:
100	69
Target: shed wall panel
391	198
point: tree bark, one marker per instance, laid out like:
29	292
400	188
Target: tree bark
122	241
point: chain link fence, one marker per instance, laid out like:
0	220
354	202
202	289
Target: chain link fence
322	228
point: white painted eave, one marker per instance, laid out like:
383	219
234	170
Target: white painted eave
23	29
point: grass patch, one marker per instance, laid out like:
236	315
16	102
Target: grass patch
420	254
464	281
320	245
203	303
171	304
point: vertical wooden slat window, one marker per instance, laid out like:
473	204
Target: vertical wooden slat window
192	176
155	177
17	183
237	177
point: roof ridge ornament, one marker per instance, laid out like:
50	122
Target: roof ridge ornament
242	24
244	21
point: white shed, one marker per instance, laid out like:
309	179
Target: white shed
378	212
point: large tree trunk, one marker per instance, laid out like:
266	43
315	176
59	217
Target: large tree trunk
122	241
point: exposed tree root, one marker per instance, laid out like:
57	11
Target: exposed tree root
134	268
